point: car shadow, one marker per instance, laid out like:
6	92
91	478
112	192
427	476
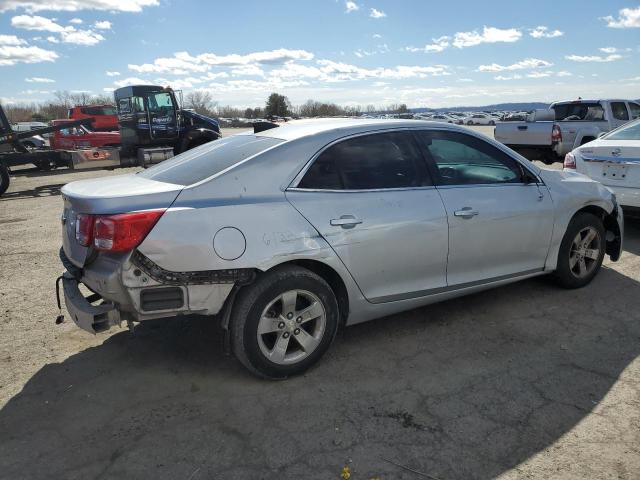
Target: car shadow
632	235
41	191
464	389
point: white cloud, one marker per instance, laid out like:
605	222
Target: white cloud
608	49
11	40
39	80
38	23
564	73
544	32
247	71
75	5
627	18
12	54
68	34
108	89
375	13
112	74
76	21
52	39
507	78
182	62
438	45
376	35
593	58
488	35
539	74
528	63
465	80
103	25
351	6
81	37
130	81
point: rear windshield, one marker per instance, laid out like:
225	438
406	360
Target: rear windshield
630	131
579	111
206	160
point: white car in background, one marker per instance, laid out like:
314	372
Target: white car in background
439	117
480	119
613	160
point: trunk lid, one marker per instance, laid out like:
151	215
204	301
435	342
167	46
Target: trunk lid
614	163
118	194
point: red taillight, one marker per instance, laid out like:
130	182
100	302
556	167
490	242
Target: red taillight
84	229
124	231
556	134
569	161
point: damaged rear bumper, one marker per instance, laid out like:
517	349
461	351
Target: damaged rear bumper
89	317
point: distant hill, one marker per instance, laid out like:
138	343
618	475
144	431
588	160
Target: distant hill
523	106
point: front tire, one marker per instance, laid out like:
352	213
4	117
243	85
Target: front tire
284	322
581	251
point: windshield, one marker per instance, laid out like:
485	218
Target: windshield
630	131
205	161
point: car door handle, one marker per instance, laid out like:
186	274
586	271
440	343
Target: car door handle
466	212
345	221
522	127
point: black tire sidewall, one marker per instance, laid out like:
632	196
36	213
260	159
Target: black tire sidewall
253	301
563	272
4	179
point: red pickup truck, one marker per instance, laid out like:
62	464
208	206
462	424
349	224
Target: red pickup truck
105	117
79	137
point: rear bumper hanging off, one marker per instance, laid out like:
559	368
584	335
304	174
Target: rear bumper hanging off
89	317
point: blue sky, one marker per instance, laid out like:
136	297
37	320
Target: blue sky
423	53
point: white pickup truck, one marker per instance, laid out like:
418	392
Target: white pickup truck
551	134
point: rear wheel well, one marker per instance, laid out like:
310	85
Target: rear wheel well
334	280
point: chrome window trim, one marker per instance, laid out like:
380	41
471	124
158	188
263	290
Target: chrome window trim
368	190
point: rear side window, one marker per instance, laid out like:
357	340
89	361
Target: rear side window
376	161
619	111
206	160
579	111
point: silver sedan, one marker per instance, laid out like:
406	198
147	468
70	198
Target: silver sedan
290	233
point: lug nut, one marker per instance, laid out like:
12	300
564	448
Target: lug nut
299	320
289	315
285	335
296	331
281	325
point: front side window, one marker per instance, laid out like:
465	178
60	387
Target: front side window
160	102
461	159
376	161
619	111
635	109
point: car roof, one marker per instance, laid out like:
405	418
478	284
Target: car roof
305	128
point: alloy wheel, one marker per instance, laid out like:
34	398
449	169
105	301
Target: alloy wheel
291	327
585	252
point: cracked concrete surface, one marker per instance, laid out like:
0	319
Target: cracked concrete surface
525	381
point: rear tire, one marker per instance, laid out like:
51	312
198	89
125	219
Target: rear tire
581	251
5	179
284	322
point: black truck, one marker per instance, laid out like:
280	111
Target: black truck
151	120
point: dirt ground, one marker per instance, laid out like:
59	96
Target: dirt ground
525	381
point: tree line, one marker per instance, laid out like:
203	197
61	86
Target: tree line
202	102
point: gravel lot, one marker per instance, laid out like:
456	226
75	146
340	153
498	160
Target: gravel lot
526	381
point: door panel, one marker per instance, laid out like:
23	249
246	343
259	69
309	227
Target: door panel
510	233
393	242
